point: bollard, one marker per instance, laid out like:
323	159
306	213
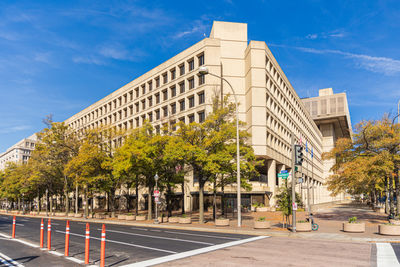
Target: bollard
67	240
13	228
49	235
103	246
41	233
87	244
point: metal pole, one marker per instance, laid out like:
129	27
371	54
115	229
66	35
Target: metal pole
156	206
293	186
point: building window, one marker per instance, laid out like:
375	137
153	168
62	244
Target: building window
182	105
191	64
165	78
150	101
191	118
150	86
143	89
173	108
173	91
137	107
137	122
202	116
157	114
182	119
182	69
173	74
165	111
173	125
191	101
150	115
165	95
137	92
201	98
143	104
201	59
157	82
201	79
158	129
191	83
182	87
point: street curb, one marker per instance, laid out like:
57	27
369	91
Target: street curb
313	235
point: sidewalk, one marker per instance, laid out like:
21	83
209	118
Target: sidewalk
330	221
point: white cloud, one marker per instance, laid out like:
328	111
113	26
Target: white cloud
14	129
88	60
326	35
199	26
312	36
385	65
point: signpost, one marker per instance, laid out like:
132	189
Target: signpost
283	174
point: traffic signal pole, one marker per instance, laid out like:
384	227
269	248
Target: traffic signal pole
293	185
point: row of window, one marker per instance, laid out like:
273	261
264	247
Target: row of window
148	86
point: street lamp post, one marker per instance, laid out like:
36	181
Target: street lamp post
156	205
204	71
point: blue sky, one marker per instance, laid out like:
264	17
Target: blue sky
58	57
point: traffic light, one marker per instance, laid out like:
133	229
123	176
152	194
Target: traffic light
298	156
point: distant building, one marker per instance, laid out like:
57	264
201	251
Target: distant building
20	152
175	91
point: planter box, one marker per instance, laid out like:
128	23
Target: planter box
130	217
71	214
99	216
380	209
387	229
78	215
303	227
252	208
173	219
354	227
141	218
222	222
262	209
162	219
121	217
395	222
186	220
262	224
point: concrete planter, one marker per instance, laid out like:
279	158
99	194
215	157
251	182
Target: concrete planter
395	222
43	213
121	217
221	222
162	219
389	229
173	219
130	217
262	224
71	214
380	209
303	227
78	215
262	209
186	220
141	218
354	227
60	213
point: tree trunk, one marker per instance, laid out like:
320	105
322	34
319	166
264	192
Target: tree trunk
112	202
137	197
76	199
223	200
391	195
214	200
85	202
66	203
149	204
201	201
183	197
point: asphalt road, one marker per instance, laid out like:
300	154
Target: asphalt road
124	245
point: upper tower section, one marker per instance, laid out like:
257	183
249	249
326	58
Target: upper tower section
231	31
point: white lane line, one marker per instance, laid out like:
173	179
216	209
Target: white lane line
385	255
20	224
160	237
123	243
20	241
55	223
141	229
5	262
56	253
155	230
9	260
192	253
213	236
75	260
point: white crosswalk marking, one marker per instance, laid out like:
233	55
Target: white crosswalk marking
385	255
4	259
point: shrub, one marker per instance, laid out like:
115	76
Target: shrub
353	219
261	219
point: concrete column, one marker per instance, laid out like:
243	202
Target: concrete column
272	180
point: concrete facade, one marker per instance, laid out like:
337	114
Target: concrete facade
18	153
269	105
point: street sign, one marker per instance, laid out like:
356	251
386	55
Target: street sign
294	205
156	193
283	175
156	199
284	171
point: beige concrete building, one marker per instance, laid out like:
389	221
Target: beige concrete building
174	91
18	153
